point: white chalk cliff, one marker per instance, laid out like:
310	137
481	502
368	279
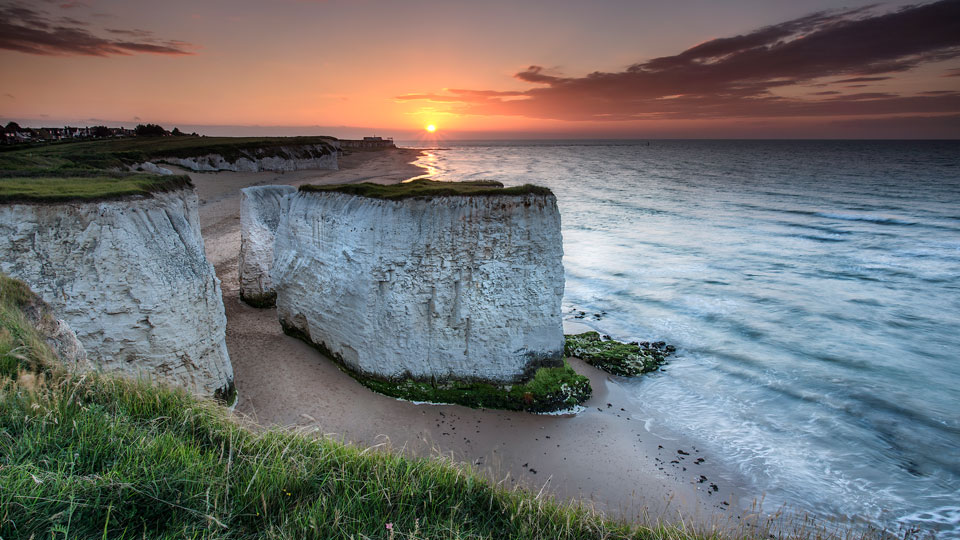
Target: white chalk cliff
449	287
286	158
131	279
260	211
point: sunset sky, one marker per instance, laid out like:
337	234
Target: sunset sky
490	69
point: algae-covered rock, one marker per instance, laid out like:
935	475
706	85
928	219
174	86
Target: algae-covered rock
616	357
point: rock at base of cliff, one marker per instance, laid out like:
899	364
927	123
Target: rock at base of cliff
260	211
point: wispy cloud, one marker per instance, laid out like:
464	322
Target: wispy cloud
738	76
28	30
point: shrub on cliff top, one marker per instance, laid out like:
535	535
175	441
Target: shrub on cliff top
424	188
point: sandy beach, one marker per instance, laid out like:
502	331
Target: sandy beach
607	455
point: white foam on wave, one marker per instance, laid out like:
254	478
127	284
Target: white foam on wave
944	519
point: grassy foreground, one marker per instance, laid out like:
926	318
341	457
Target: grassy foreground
93	456
101	457
424	188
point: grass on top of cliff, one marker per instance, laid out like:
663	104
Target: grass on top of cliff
60	187
119	153
424	188
94	456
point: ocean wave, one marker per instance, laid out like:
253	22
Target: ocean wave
866	217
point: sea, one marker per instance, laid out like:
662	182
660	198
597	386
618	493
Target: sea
812	289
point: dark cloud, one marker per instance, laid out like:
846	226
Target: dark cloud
146	34
825	93
737	76
913	127
28	30
863	79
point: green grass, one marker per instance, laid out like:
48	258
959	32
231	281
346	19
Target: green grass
21	347
548	389
616	357
95	456
424	188
101	457
120	153
51	187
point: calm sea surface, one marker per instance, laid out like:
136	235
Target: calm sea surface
811	287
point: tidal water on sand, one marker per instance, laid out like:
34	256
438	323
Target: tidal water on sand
811	287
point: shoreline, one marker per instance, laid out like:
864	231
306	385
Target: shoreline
608	455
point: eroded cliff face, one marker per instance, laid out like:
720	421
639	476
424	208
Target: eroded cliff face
260	210
131	279
448	288
287	158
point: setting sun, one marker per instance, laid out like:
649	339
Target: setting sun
431	128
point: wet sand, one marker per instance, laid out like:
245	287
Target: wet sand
606	455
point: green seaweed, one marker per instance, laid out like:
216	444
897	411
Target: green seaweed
423	188
616	357
550	389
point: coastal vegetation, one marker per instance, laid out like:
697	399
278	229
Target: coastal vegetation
94	456
423	188
121	153
616	357
549	389
84	186
98	456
